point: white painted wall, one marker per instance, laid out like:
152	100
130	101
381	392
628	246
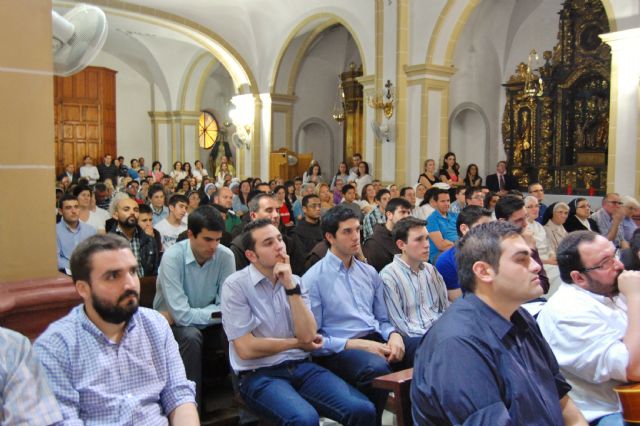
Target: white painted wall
317	85
133	101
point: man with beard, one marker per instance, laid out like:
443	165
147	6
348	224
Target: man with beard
126	214
594	333
189	280
108	361
232	222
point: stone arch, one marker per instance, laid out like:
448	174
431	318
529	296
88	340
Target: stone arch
452	20
316	123
313	25
458	117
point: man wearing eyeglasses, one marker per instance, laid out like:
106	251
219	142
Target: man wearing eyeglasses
609	219
536	190
593	333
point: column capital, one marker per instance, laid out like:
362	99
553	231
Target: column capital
621	41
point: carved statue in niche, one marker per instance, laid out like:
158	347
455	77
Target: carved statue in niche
594	132
523	140
545	179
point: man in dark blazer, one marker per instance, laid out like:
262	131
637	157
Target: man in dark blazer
508	181
71	173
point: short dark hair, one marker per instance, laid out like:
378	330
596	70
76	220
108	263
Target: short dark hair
470	191
254	202
396	202
482	243
204	217
80	189
404	190
402	227
306	198
81	264
155	188
66	197
469	216
332	218
248	242
506	206
440	192
381	193
459	189
278	188
100	187
144	209
568	254
346	188
178	198
515	193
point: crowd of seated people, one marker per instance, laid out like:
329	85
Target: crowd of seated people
320	287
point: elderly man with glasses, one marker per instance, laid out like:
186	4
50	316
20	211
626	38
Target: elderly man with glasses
609	219
592	330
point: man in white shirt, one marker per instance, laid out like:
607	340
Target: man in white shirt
172	226
594	335
89	171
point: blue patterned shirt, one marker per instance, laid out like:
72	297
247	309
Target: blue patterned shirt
372	218
346	303
25	397
138	381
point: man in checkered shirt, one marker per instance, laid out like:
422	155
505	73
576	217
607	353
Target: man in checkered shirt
108	361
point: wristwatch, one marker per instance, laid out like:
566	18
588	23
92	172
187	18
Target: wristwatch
292	291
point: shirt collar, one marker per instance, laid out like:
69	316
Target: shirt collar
255	276
500	326
66	225
190	258
334	261
605	300
397	258
89	326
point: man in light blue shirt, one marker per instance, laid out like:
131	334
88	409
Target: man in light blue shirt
25	396
70	231
188	288
347	302
271	331
109	361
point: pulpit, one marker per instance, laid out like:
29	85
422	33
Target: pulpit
287	164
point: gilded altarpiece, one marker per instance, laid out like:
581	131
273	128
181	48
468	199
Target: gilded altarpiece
353	98
558	134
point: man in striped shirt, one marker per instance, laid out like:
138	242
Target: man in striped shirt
414	291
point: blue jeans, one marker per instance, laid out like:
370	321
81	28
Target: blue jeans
359	368
299	392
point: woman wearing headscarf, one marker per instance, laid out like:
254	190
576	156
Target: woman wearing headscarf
553	220
579	220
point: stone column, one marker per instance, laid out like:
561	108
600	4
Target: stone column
27	216
622	172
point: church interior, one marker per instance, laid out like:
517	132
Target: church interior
552	87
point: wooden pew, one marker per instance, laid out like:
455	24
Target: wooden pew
29	306
399	383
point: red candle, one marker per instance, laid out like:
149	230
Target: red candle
592	191
569	189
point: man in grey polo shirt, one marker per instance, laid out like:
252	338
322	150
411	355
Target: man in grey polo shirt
271	331
188	289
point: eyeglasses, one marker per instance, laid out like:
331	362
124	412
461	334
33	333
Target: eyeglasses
314	205
587	206
619	203
605	264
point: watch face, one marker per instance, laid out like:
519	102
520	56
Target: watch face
207	130
588	39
